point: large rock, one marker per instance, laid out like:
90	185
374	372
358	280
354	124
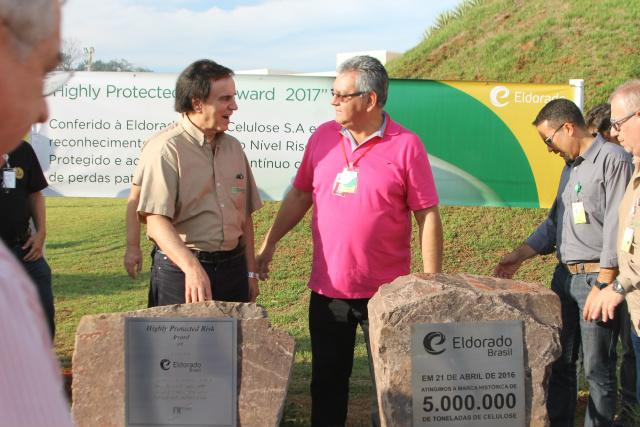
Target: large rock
447	298
265	362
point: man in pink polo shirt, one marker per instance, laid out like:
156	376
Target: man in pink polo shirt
363	174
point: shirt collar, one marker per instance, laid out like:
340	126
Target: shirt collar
379	133
197	135
591	153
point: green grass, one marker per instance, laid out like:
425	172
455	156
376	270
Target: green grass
546	41
85	248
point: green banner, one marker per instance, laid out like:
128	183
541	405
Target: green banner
482	146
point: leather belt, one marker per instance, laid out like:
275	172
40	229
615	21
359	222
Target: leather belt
583	267
214	257
219	256
15	241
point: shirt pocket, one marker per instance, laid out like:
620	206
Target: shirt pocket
239	194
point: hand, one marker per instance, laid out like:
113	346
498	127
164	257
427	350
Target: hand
197	286
254	290
133	258
604	304
263	259
36	244
591	298
508	266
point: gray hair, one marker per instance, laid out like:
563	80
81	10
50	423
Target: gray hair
371	76
630	92
28	22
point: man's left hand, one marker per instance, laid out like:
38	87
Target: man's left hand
254	290
603	303
35	243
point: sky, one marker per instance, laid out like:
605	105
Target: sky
291	35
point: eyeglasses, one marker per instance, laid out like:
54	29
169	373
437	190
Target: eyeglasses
617	124
343	98
548	140
54	81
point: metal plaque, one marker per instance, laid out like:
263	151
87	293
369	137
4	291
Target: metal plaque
180	371
468	374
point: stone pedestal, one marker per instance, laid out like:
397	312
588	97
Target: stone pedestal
446	298
265	362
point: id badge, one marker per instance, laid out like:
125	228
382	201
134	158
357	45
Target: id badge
579	216
8	178
349	180
627	237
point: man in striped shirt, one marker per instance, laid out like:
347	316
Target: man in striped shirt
31	391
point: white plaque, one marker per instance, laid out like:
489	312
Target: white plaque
468	374
180	371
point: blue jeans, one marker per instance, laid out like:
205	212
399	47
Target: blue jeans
636	347
40	273
599	349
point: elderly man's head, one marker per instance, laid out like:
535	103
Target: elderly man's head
625	116
29	49
359	91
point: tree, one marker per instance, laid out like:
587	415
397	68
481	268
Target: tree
113	65
71	53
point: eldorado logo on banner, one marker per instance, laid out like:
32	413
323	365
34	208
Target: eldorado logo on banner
482	146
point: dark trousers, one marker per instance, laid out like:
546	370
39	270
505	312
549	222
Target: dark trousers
229	281
628	374
40	273
332	327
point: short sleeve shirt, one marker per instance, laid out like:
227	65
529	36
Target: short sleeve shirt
362	240
207	193
16	208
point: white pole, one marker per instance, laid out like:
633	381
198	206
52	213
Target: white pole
578	85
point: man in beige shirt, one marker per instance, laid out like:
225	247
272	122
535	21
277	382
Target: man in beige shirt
625	125
197	195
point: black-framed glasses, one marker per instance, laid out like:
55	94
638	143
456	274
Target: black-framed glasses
548	140
617	124
346	98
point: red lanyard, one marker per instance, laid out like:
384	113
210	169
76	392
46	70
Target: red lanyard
344	151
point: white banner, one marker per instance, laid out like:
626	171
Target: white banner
98	122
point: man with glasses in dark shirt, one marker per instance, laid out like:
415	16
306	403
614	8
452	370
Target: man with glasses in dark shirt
581	229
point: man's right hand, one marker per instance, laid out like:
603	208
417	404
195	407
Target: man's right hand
197	286
133	259
508	266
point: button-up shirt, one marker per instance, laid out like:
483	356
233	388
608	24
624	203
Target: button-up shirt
598	179
207	192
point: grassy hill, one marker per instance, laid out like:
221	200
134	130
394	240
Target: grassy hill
544	41
548	41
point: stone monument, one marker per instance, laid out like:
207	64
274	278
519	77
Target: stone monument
448	298
265	362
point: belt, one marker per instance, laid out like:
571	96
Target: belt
216	257
15	241
583	267
220	256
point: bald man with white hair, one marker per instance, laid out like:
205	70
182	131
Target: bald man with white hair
31	392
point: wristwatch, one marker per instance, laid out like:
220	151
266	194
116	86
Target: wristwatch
601	286
617	288
253	275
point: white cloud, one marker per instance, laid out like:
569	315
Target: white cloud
296	35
